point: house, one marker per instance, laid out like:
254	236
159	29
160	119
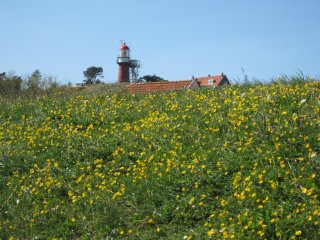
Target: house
213	81
194	83
161	86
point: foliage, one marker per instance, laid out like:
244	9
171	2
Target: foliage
12	86
34	81
91	75
37	82
150	78
50	82
238	162
9	85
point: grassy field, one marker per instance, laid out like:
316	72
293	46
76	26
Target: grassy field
238	162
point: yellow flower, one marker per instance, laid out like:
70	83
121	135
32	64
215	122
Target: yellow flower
223	203
298	233
191	201
210	232
99	166
300	158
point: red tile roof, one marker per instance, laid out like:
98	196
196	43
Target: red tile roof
213	81
160	86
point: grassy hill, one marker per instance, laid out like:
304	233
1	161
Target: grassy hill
240	162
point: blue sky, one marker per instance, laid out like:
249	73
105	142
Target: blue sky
174	39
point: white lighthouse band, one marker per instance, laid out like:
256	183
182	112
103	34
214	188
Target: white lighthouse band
123	60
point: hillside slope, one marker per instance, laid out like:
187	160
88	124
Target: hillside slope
240	162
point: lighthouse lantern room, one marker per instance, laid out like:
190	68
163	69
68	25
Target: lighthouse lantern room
124	52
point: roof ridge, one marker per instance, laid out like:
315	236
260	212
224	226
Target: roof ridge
161	82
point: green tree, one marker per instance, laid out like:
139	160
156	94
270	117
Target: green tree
150	78
10	84
2	75
92	75
34	81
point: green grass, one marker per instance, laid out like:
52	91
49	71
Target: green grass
238	162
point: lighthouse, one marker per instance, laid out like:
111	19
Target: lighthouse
128	68
124	63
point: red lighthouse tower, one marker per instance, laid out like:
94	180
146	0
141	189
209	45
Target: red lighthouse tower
124	63
128	68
